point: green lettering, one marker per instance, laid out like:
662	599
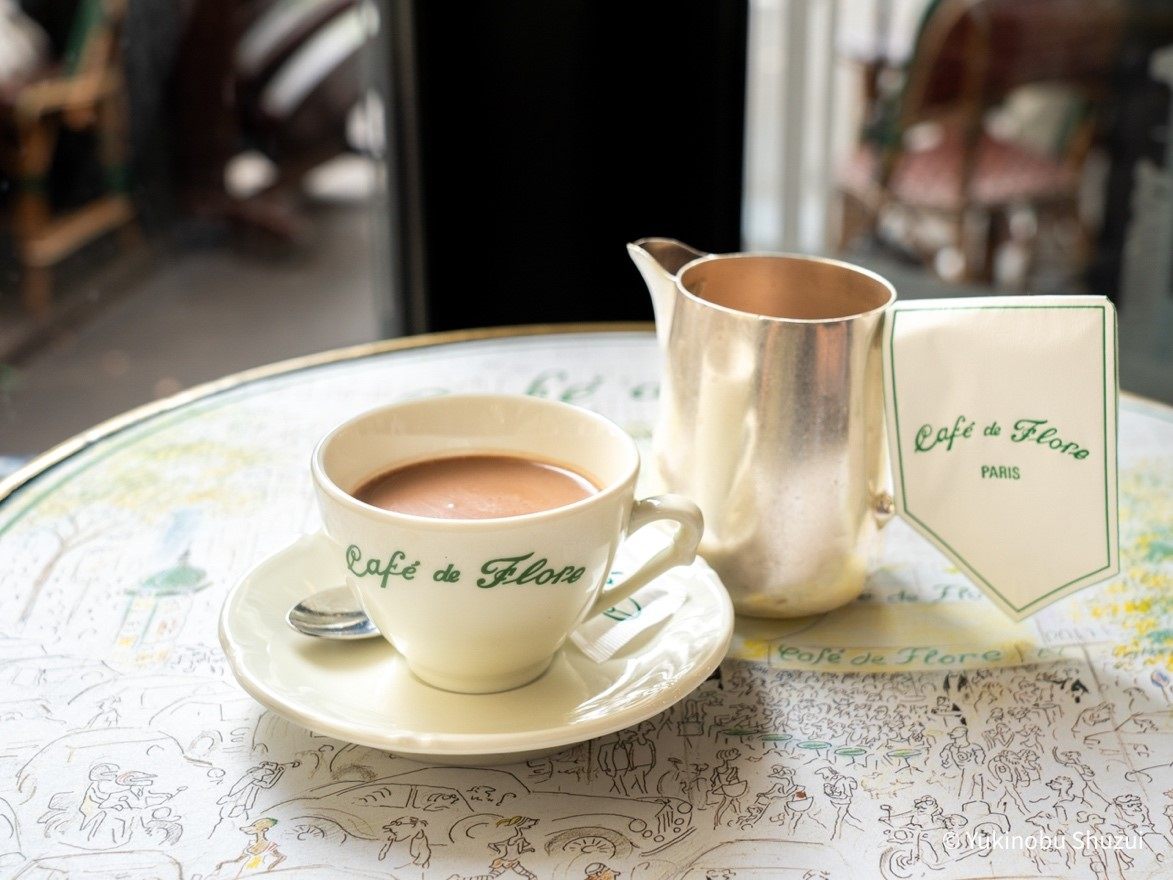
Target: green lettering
1025	429
373	566
504	570
499	570
1032	429
353	555
646	391
961	428
531	573
925	432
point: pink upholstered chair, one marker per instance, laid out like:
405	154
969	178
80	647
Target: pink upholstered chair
969	56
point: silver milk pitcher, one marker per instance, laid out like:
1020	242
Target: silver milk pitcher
772	417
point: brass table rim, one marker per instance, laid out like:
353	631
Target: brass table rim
55	455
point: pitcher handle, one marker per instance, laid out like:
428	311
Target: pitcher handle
883	507
681	550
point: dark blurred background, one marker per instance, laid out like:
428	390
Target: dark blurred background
550	134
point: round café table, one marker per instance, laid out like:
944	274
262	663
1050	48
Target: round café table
906	756
818	746
852	752
127	748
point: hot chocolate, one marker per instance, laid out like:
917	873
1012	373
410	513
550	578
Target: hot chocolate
480	486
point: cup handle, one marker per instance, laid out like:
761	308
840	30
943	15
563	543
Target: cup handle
681	550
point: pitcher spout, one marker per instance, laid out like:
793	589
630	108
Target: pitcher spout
658	261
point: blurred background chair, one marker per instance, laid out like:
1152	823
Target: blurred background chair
933	176
84	93
294	69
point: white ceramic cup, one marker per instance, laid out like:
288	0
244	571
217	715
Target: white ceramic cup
483	605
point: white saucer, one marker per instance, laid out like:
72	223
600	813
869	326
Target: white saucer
362	692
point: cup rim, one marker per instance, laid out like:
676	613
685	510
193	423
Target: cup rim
678	280
614	487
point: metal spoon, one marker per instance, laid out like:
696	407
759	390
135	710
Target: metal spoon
330	614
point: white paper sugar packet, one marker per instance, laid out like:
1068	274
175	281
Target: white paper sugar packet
602	636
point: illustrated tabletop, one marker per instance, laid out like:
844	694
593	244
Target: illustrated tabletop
914	733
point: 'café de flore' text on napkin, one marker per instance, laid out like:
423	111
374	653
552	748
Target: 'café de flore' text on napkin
1002	436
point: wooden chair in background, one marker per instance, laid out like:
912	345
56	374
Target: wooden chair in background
85	93
970	55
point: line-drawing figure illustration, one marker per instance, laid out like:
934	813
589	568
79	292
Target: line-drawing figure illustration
242	796
115	806
134	802
9	836
407	844
509	852
839	789
1071	758
969	759
925	837
727	787
101	789
260	855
